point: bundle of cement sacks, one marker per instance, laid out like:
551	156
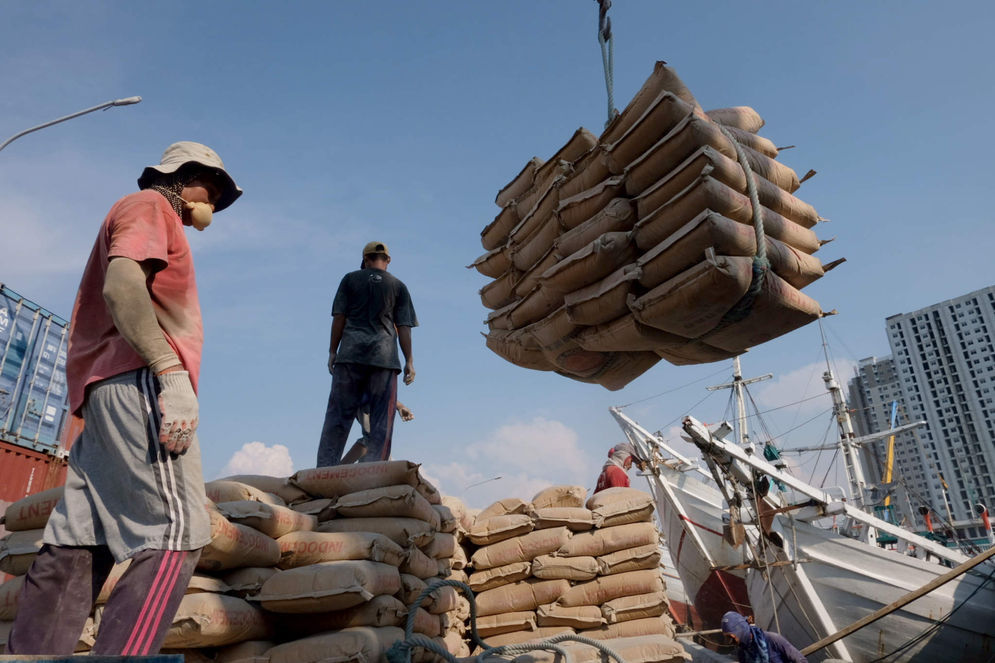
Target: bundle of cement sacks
638	245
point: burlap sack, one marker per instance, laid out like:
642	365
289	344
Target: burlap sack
604	300
627	333
520	183
663	79
501	291
559	497
579	617
32	512
640	606
18	550
418	564
402	531
574	518
516	348
609	539
590	264
213	620
443	546
506	623
279	486
303	548
272	520
249	580
525	595
521	548
388	502
741	117
495	234
485	579
607	588
518	637
321	508
661	625
357	644
233	546
339	480
498	528
630	559
223	490
548	567
250	651
493	263
621	506
506	507
327	586
9	591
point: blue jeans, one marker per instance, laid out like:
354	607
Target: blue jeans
354	386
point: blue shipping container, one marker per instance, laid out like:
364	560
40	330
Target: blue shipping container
34	400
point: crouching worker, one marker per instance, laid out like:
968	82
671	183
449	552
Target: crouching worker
757	645
134	488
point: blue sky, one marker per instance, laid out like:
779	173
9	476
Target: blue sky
399	121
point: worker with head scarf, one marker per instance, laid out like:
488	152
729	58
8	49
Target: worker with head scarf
613	474
756	645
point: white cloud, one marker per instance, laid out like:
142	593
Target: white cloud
795	391
257	458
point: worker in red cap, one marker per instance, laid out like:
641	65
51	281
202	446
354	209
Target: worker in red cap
613	474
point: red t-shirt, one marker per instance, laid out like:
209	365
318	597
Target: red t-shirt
141	226
612	476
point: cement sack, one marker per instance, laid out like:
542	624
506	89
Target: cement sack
459	510
494	236
574	518
559	496
640	649
303	548
358	644
551	330
574	211
443	546
592	263
619	368
222	490
501	291
485	579
618	215
519	596
32	512
535	210
321	508
685	247
458	574
527	250
200	583
279	486
499	528
444	599
694	302
248	581
579	617
213	620
661	625
418	564
520	184
777	309
448	522
630	559
662	114
519	637
339	480
521	548
459	560
402	531
573	361
710	162
535	306
506	507
627	333
9	591
250	651
411	588
426	624
577	569
517	348
607	588
530	279
621	506
506	623
683	141
609	539
640	606
456	645
582	142
328	586
493	263
388	502
272	520
233	546
585	173
604	300
741	117
112	579
663	79
694	352
18	550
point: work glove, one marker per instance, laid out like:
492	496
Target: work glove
178	404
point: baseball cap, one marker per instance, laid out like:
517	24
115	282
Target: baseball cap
375	247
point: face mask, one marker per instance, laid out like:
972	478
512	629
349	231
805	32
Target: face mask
200	214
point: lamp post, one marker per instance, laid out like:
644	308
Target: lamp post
465	488
127	101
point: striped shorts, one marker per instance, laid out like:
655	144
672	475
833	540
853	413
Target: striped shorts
123	489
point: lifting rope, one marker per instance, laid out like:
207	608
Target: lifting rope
607	55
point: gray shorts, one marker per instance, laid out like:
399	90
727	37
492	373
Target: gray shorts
123	489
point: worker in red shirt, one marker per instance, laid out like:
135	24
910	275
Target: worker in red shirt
613	474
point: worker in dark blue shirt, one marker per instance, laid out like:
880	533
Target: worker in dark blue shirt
757	645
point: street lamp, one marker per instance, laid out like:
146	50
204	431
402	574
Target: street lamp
127	101
465	488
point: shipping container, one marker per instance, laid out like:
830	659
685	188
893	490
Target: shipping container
33	395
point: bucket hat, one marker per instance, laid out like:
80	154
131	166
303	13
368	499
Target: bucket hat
184	152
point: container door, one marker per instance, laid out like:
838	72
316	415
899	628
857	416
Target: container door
16	327
41	407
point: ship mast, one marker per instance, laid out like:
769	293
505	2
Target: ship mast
738	386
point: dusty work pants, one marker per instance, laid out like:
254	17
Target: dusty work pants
353	385
62	586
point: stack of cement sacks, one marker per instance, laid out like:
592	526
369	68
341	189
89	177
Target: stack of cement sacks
638	245
321	564
560	564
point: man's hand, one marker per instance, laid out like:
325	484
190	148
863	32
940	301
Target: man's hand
405	412
180	411
409	372
331	362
